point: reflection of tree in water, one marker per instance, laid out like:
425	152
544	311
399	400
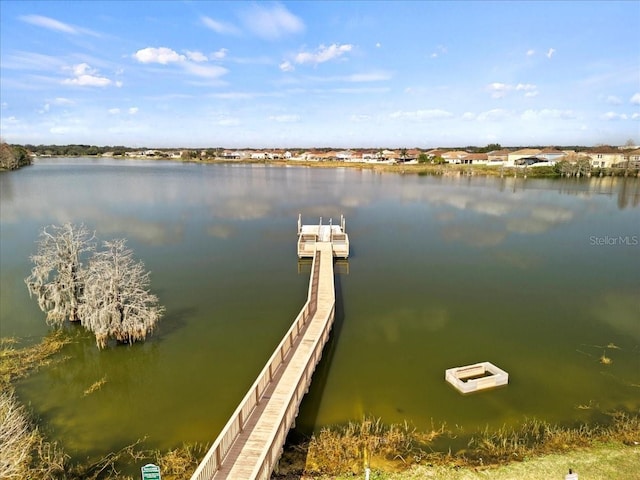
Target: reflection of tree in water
6	188
123	365
626	189
629	193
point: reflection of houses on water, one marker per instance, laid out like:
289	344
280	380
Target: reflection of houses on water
627	189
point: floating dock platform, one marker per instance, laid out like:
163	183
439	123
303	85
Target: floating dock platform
310	235
476	377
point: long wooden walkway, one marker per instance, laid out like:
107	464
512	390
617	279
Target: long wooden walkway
251	442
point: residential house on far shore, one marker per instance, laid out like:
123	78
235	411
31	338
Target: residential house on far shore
475	159
454	156
436	152
498	157
523	156
633	158
606	157
551	155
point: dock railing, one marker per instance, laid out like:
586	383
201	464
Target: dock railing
215	455
270	457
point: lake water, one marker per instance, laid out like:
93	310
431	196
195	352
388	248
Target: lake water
540	277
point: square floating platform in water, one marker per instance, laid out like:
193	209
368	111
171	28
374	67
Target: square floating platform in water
476	377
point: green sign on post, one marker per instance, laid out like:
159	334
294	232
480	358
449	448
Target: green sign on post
150	472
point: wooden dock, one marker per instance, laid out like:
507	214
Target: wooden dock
252	440
335	235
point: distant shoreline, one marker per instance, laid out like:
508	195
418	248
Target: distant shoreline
446	170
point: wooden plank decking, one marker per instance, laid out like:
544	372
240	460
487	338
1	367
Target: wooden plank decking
260	437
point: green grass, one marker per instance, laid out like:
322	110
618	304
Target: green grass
612	461
532	450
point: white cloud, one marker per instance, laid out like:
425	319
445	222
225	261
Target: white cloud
360	118
220	54
133	110
357	90
492	115
228	122
378	44
613	100
61	130
550	52
271	21
55	25
160	55
500	90
419	115
192	62
284	118
468	116
440	50
635	116
526	87
196	56
614	116
82	69
635	99
88	81
286	66
530	52
85	76
234	95
547	113
114	111
206	71
62	101
49	23
369	77
323	53
220	27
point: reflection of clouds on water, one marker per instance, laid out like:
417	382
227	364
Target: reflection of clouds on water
520	213
327	211
411	321
474	235
150	233
242	208
539	220
521	260
491	207
621	311
220	231
349	201
164	197
552	214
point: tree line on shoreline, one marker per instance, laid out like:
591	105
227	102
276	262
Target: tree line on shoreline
16	156
79	150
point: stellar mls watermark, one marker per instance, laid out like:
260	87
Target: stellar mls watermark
615	240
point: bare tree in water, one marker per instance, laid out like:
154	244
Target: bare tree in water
116	301
57	276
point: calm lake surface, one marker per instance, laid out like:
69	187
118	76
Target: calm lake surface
540	277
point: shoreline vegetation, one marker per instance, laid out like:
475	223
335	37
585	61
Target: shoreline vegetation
435	169
534	449
573	161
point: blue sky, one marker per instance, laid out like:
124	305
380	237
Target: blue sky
316	74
